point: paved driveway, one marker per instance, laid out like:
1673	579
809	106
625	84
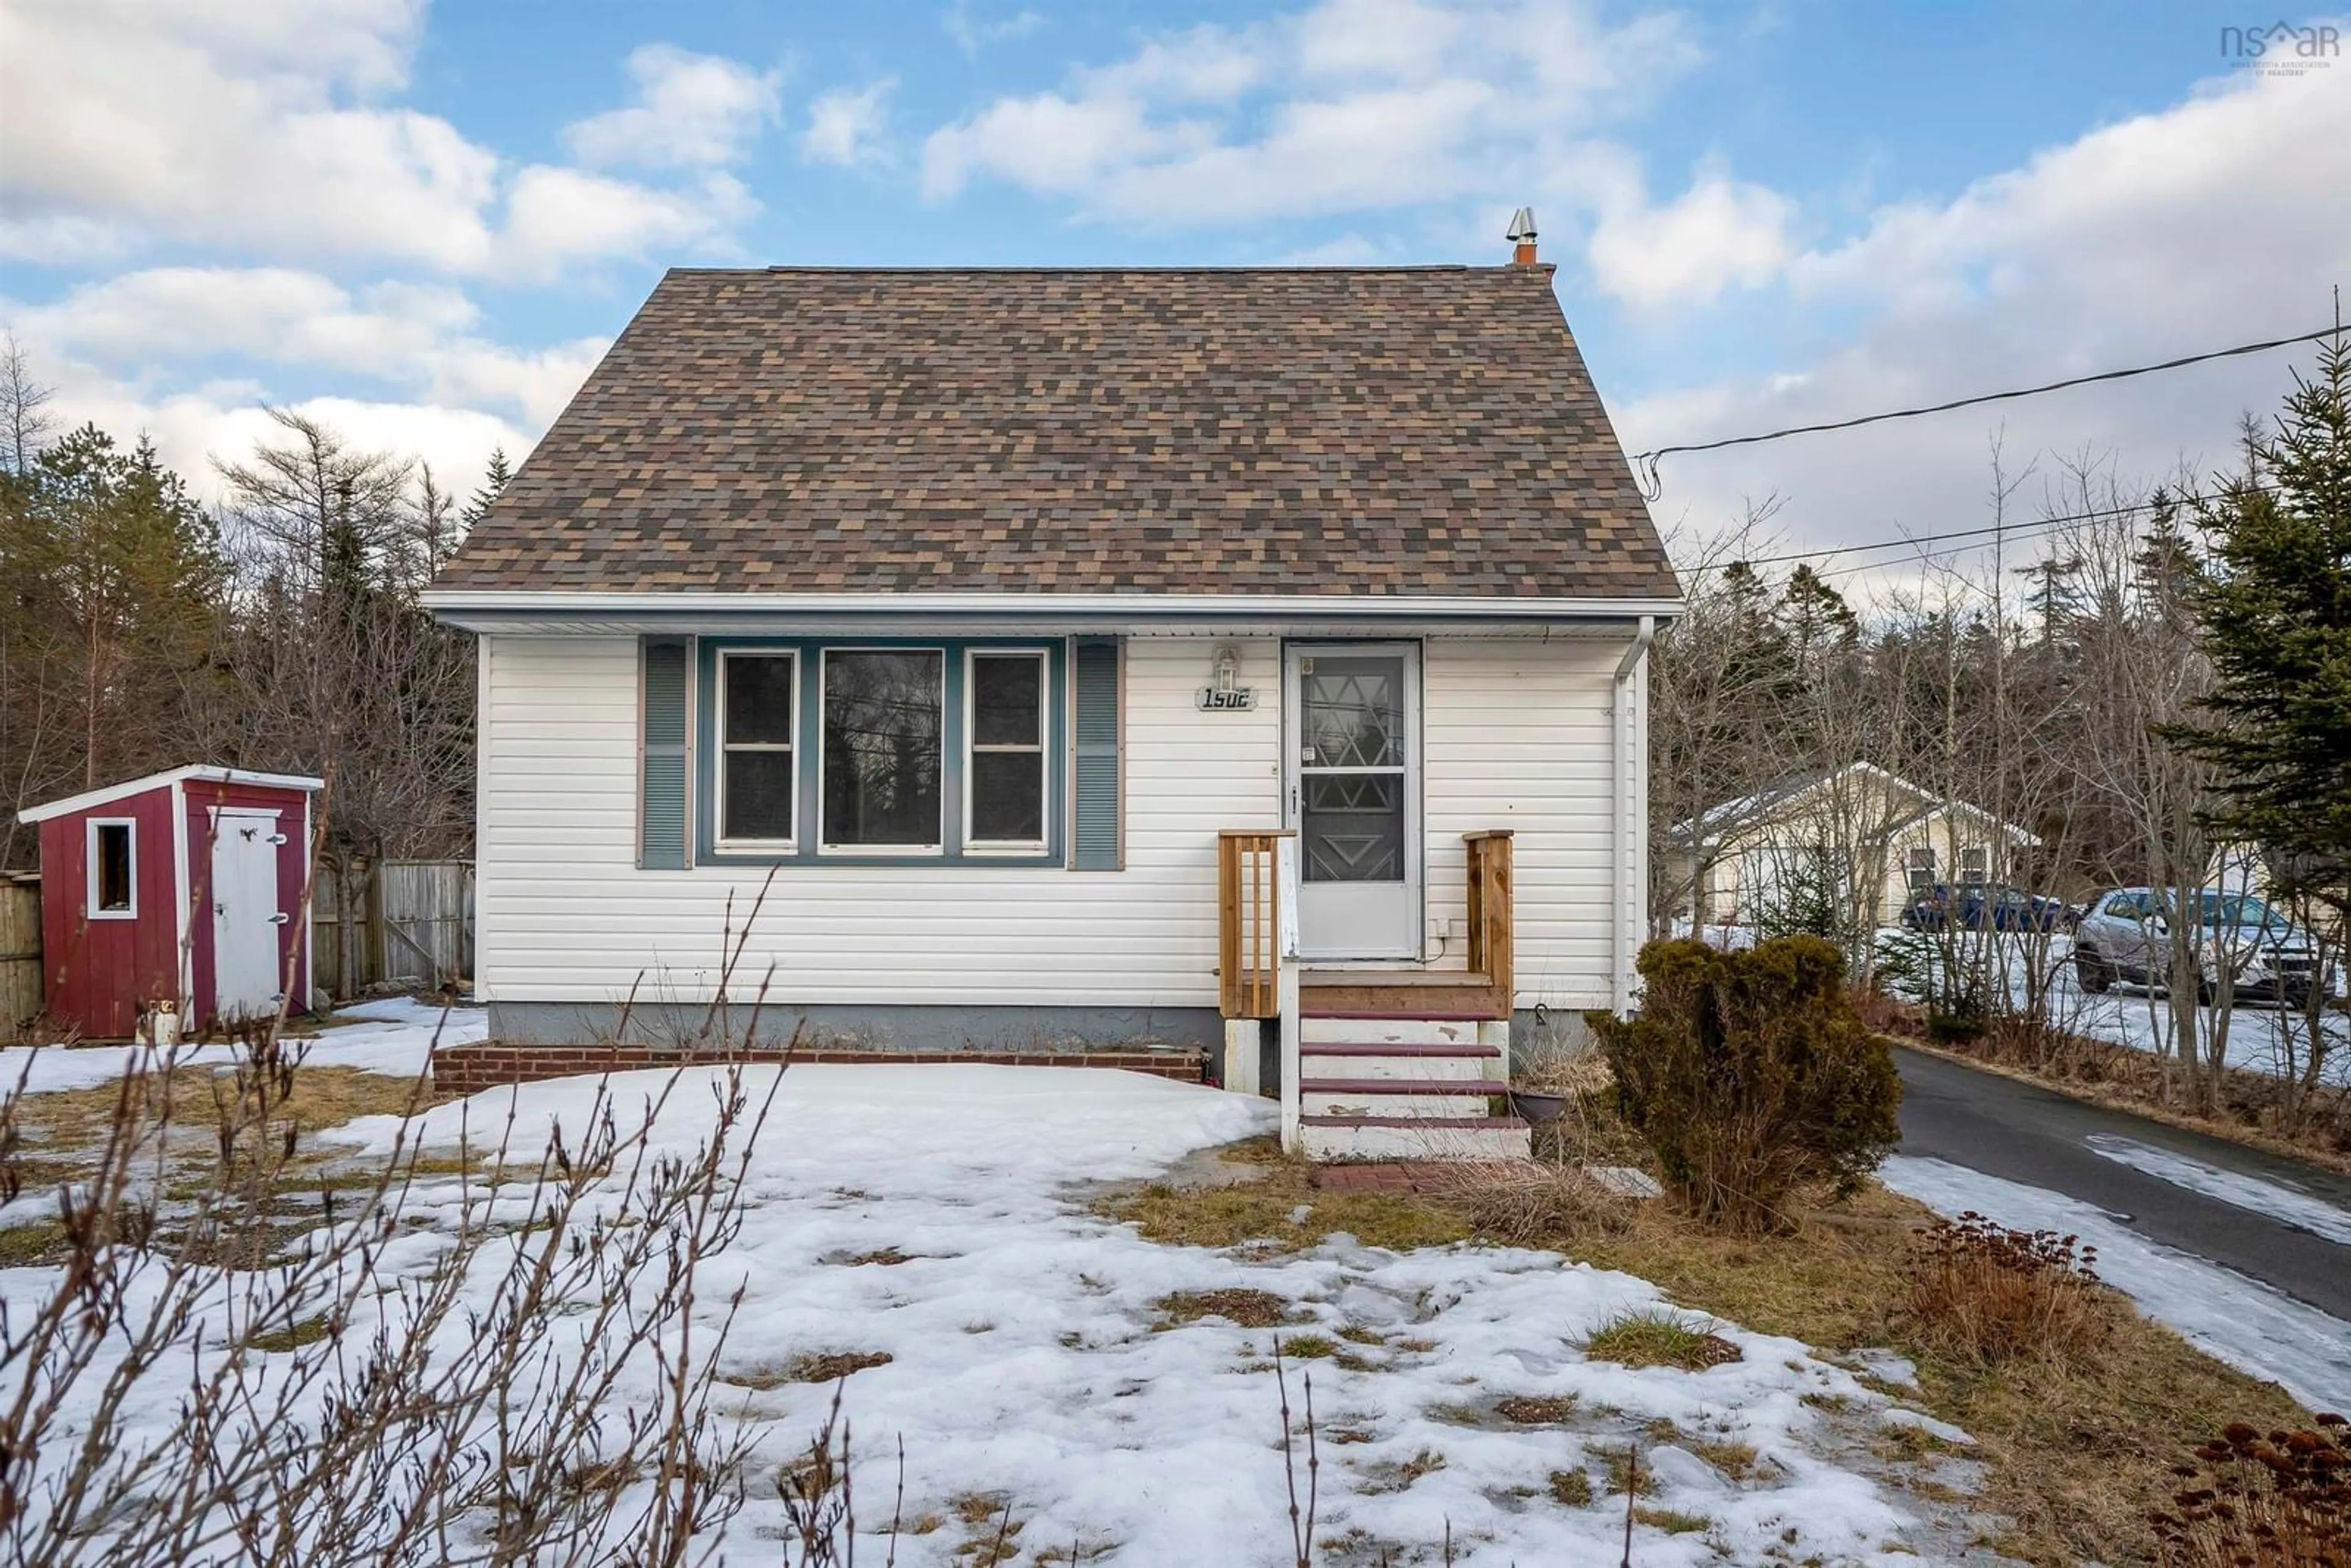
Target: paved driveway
2283	1222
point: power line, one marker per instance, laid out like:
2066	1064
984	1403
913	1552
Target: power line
1929	546
1653	486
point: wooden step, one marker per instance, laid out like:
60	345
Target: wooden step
1392	1047
1416	993
1402	1086
1310	978
1416	1029
1415	1138
1418	1063
1309	1007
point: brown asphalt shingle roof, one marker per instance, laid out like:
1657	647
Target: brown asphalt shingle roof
1427	431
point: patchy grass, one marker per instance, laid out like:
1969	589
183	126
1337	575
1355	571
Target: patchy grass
1306	1347
293	1336
1397	1477
79	1119
827	1368
39	1244
1250	1309
991	1535
1535	1409
1652	1336
1735	1460
1259	1212
886	1258
1673	1521
2075	1457
1570	1488
1625	1473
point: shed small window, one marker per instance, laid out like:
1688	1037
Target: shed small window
114	869
757	778
883	734
1975	864
1007	772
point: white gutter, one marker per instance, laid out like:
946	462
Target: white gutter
1629	708
459	602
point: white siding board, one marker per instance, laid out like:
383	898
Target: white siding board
1515	734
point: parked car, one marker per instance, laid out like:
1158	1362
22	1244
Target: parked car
1980	908
2127	935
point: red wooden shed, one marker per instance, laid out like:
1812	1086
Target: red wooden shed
183	886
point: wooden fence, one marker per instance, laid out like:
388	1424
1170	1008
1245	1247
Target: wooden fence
413	920
20	950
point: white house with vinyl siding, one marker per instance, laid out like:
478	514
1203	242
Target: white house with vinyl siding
956	661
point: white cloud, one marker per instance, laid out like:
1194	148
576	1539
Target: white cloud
2197	228
846	126
1718	234
971	34
269	126
1357	107
691	110
127	335
556	214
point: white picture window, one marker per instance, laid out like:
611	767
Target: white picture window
113	892
1004	763
758	774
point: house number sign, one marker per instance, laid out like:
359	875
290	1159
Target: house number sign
1225	699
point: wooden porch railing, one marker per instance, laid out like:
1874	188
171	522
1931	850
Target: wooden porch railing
1248	921
1491	941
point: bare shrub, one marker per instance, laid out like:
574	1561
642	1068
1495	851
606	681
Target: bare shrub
1527	1203
2280	1501
1749	1076
1984	1293
423	1368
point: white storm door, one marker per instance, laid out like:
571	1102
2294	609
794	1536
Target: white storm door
245	918
1351	726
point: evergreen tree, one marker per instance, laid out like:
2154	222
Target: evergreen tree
2274	597
493	484
114	577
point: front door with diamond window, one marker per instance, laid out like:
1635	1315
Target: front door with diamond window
1351	788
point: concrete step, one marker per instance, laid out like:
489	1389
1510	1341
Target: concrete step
1363	1026
1413	1138
1444	1063
1432	1099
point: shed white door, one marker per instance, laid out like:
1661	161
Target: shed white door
246	917
1350	724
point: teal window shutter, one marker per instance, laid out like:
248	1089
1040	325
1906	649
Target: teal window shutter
1095	843
661	769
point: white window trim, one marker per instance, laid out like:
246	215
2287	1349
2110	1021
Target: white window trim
764	846
89	866
1043	747
937	848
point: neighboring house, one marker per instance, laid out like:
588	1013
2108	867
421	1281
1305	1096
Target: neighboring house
930	627
1869	838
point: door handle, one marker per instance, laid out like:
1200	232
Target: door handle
280	918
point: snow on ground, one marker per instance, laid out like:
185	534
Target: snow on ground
393	1035
2242	1322
1030	1359
2287	1204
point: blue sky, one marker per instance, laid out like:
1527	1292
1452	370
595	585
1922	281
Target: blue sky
424	223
